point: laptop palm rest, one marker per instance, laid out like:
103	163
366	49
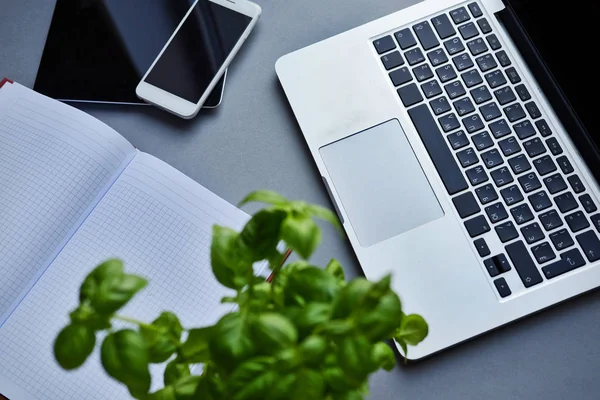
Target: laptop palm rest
380	182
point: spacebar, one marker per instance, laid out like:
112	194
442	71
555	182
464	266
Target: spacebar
437	148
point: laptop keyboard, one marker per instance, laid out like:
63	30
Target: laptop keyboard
492	147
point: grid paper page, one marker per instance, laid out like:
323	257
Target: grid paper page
55	162
159	222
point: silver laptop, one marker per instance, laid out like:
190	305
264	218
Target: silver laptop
459	145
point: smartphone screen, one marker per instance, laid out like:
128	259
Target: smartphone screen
196	53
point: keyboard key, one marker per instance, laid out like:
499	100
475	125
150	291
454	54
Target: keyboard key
503	58
514	112
540	201
422	72
462	62
475	10
481	94
446	73
534	147
522	92
509	146
554	147
555	183
577	221
410	95
459	15
384	44
502	287
477	175
497	265
425	35
524	129
477	226
505	95
565	165
449	122
565	202
544	165
482	141
443	26
466	205
587	203
532	233
392	60
500	128
477	46
484	25
454	46
400	76
431	88
533	110
521	214
495	79
405	39
496	212
590	245
467	31
493	41
471	78
569	261
529	183
519	164
482	247
414	56
576	184
543	127
440	154
491	267
561	239
458	140
491	158
507	231
437	57
513	75
543	253
487	194
440	105
486	62
596	221
490	111
550	220
528	272
473	123
464	106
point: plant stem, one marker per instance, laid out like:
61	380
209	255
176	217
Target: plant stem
136	322
278	267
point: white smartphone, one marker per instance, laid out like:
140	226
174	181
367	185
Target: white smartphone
187	69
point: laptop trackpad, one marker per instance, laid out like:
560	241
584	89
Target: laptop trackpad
381	184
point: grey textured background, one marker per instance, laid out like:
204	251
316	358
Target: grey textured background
252	141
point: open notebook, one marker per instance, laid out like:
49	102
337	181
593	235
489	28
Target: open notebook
73	192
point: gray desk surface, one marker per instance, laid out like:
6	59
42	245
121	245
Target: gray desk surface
252	141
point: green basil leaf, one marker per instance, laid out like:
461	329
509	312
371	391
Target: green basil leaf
337	327
252	379
313	349
326	215
230	341
264	196
175	371
166	393
335	269
380	322
413	329
73	345
196	347
125	357
114	292
306	319
312	285
282	387
261	234
203	391
107	270
86	315
186	387
384	356
162	337
272	332
349	297
354	355
404	347
309	384
301	234
288	359
336	379
226	258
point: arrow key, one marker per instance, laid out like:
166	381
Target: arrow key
590	245
502	287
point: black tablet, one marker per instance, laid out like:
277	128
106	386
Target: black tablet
98	50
